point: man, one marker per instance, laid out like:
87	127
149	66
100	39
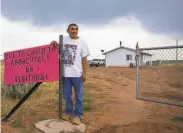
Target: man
75	52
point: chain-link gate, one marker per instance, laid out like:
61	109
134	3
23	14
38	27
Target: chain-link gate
159	76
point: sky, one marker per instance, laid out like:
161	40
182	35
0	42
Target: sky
102	23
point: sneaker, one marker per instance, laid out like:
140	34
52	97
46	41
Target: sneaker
76	121
66	117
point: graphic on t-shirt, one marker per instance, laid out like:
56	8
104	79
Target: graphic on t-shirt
69	54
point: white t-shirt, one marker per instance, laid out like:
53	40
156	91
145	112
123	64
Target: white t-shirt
73	52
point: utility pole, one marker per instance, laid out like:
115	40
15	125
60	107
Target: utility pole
176	50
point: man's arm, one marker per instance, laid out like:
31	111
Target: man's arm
84	54
84	64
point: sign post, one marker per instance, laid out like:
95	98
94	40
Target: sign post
60	74
31	65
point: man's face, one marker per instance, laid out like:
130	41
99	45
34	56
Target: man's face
73	31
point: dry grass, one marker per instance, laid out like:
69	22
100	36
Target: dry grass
44	93
41	105
172	65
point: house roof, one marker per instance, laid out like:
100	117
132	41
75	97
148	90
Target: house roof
122	47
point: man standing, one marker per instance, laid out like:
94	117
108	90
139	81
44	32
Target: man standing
75	52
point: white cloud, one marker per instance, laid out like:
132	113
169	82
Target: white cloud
23	34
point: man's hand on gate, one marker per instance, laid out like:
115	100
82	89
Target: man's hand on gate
54	44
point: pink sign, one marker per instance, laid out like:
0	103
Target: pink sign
31	65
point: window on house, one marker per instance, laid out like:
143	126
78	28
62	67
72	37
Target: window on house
128	57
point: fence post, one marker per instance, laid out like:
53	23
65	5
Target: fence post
60	74
137	71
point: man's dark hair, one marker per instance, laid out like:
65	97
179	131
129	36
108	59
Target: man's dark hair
73	24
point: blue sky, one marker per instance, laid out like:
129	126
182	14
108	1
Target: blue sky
103	23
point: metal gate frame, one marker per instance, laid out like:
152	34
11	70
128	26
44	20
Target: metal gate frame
138	97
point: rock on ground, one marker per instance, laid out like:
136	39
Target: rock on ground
57	126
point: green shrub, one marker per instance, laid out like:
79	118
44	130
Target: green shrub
15	91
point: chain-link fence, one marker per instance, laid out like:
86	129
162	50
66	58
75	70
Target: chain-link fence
160	75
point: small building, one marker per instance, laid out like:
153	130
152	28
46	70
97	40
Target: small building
124	57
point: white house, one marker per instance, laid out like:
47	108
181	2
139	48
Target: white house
123	57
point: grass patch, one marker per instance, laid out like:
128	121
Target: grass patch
32	109
26	131
86	98
42	117
75	131
172	65
177	119
6	105
87	101
125	85
16	123
89	86
87	107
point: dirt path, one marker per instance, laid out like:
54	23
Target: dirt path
118	110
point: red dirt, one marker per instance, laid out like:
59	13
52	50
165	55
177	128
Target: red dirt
121	111
116	108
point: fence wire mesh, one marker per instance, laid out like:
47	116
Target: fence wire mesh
161	75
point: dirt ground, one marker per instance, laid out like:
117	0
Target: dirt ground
116	110
164	83
120	112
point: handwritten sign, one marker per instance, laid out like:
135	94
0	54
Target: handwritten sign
38	64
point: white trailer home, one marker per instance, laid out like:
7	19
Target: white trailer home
124	57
